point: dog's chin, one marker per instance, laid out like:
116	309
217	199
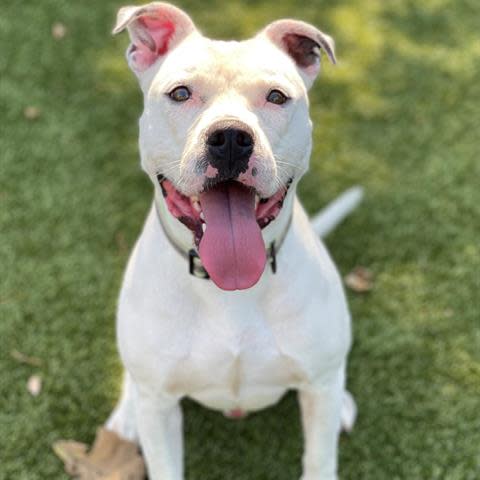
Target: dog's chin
226	221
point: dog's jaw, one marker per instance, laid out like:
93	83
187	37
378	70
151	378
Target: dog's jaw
188	209
226	222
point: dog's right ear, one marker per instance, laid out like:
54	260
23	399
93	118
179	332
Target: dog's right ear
155	29
302	42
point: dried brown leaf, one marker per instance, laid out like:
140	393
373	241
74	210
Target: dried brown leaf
360	280
31	112
110	458
22	358
59	30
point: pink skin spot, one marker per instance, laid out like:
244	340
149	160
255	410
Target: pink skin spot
211	172
246	179
236	414
195	101
260	102
249	177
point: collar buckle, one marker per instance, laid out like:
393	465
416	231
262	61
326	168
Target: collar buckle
272	257
195	266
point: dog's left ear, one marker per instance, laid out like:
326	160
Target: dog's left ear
303	43
155	29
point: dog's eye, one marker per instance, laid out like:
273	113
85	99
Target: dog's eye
277	97
180	94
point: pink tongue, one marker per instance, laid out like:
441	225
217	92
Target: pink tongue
232	249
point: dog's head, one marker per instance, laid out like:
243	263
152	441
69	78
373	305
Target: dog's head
225	127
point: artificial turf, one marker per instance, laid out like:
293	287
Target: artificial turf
399	115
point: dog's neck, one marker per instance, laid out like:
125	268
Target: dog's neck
181	237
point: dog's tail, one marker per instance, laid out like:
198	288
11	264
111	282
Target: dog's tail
328	218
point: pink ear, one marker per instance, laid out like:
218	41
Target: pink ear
155	29
302	42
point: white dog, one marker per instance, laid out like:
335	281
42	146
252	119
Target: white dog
229	297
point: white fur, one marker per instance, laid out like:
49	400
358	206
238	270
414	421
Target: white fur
327	219
179	335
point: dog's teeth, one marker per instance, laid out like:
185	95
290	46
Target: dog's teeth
204	227
194	198
202	216
196	206
257	199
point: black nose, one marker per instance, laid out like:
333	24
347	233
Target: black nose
229	151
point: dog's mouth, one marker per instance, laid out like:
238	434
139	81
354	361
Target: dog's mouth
226	221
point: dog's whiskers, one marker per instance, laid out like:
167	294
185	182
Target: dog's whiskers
168	168
281	162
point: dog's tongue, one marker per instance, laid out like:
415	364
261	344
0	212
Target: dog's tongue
232	249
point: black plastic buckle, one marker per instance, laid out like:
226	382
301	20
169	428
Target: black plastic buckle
273	258
195	267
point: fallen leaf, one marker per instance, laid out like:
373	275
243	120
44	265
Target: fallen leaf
22	358
34	385
360	280
31	113
70	452
59	30
110	458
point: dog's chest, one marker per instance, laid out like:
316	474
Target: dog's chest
240	362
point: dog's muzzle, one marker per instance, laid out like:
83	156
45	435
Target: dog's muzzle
226	220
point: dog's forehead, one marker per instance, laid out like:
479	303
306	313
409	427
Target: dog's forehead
249	61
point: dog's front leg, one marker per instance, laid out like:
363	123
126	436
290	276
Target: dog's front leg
159	422
320	405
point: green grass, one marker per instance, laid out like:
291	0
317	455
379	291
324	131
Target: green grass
400	115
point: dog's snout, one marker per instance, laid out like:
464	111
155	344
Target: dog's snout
230	143
229	151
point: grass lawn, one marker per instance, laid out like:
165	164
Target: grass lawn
399	115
